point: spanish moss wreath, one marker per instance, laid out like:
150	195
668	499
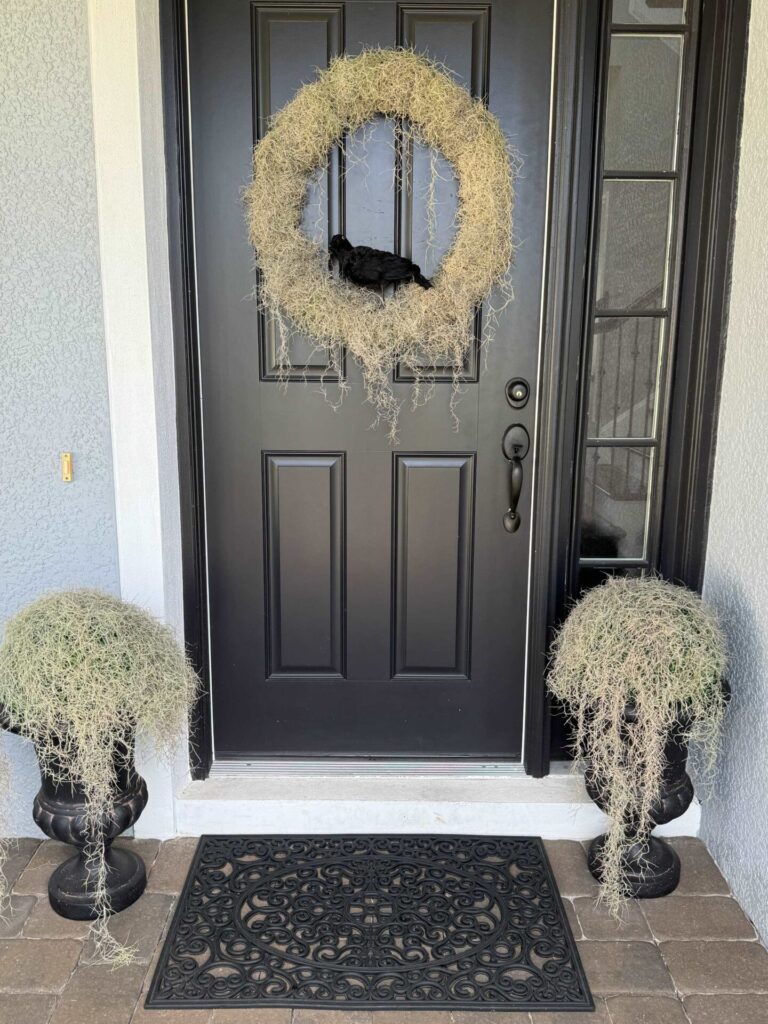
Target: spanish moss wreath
416	328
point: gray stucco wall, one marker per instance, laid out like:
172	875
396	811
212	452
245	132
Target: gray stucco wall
52	359
735	820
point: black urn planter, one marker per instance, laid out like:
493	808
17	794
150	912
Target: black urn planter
59	810
650	866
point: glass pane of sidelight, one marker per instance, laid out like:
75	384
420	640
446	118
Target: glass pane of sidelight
593	575
642	102
634	244
614	509
649	12
624	376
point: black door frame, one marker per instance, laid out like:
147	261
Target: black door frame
697	372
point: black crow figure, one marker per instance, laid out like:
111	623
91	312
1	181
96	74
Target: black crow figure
373	268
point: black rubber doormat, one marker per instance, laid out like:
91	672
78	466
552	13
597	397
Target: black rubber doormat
387	922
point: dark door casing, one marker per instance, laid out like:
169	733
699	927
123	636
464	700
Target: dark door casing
364	600
574	153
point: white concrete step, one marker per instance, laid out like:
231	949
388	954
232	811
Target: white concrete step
250	799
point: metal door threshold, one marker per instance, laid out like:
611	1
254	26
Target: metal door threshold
362	766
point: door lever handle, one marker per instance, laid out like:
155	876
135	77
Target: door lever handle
512	516
514	445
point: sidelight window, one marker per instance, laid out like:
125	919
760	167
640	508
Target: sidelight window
635	255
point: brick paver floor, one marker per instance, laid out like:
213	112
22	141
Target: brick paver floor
690	958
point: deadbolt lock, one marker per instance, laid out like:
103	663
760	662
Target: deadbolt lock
517	391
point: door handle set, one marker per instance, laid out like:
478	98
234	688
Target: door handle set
515	445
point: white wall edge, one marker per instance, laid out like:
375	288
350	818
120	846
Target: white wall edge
126	89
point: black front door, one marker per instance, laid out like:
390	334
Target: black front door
363	599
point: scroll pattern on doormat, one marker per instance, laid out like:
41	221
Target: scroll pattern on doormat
378	921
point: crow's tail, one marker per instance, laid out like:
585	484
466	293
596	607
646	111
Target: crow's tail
419	278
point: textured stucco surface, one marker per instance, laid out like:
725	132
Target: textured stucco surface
735	819
52	360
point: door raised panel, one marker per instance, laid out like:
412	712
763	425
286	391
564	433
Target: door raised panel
305	539
456	36
289	44
434	516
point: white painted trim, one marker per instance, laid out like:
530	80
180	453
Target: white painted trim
130	186
117	133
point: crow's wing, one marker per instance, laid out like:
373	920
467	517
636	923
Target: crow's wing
365	251
398	268
362	271
375	266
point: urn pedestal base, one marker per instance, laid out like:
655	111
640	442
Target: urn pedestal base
650	869
59	810
70	887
